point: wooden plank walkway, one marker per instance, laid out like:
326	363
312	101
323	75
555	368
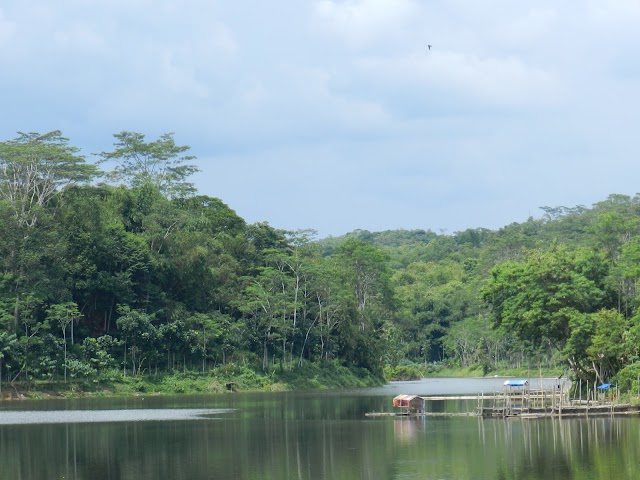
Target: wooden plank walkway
536	395
423	414
490	412
563	411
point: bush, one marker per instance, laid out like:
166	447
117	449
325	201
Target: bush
627	378
403	373
79	369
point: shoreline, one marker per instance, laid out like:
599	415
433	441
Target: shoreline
227	381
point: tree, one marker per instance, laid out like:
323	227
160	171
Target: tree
160	162
465	339
432	296
138	333
607	349
7	343
64	314
33	167
582	327
331	308
264	303
208	327
366	274
536	298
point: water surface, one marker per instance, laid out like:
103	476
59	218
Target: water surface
307	435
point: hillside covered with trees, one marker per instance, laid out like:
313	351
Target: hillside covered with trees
119	268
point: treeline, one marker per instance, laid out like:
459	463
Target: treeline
118	266
129	271
560	291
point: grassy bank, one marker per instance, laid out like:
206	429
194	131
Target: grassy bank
228	378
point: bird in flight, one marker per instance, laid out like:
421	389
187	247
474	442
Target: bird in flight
429	47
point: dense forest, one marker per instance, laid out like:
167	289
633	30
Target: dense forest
117	266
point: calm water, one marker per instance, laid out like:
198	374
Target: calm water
306	436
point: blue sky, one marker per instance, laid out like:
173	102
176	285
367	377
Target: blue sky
332	114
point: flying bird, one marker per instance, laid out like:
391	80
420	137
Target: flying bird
429	47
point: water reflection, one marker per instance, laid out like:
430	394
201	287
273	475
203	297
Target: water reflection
312	436
407	430
107	416
564	448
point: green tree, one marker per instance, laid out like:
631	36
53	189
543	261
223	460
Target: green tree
34	171
64	314
139	333
34	167
160	162
7	343
264	303
207	329
432	297
607	348
582	326
537	298
467	340
366	274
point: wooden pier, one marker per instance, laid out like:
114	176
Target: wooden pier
517	400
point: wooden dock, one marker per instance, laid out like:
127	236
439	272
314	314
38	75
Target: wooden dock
502	412
421	414
523	403
564	411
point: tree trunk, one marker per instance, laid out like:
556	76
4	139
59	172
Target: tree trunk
64	336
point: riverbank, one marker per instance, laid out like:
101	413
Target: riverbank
233	378
229	378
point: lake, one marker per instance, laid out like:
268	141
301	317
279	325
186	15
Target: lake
307	435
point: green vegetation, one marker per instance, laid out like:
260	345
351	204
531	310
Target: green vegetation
223	379
127	280
125	277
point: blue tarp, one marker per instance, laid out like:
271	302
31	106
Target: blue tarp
516	383
606	386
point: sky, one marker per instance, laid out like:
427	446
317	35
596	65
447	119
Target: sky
334	115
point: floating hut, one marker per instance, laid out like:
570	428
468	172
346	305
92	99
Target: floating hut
409	404
516	384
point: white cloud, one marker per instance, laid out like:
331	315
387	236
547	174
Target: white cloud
345	92
81	37
502	82
430	81
7	30
362	22
527	29
614	12
254	95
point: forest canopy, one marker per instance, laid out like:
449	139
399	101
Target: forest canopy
131	270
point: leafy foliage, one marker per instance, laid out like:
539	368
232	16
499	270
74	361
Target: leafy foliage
145	277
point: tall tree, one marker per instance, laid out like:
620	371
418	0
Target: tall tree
7	343
366	274
33	167
64	314
160	162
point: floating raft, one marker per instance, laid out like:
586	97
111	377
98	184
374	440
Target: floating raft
423	414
